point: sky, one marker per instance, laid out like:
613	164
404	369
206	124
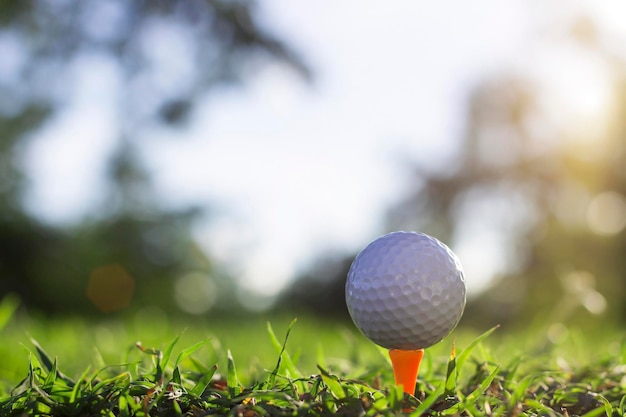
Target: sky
295	169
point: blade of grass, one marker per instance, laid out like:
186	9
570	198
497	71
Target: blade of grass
167	353
460	407
126	377
79	383
234	386
451	374
600	411
176	378
483	385
519	394
177	410
203	382
539	407
122	404
157	357
332	383
511	371
190	351
33	364
48	383
462	357
395	397
283	356
608	408
50	364
429	401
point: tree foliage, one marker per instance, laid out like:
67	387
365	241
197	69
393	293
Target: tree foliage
550	183
536	186
162	58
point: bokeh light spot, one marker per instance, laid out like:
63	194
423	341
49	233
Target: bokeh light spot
110	288
581	285
557	332
594	302
195	293
606	213
578	282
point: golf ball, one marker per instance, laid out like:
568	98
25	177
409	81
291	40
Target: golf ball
406	290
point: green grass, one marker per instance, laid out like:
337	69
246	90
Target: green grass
248	367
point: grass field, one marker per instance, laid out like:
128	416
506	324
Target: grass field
242	367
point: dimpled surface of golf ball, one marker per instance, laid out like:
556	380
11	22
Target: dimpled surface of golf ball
406	290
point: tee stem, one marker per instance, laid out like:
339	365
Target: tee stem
406	364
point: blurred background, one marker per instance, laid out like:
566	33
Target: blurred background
205	157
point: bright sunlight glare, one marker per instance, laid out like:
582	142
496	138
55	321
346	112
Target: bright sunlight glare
577	95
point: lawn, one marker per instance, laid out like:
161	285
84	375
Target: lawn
255	366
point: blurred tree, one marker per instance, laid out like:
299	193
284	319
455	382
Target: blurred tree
536	189
162	58
543	172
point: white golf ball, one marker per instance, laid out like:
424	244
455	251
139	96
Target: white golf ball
406	290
